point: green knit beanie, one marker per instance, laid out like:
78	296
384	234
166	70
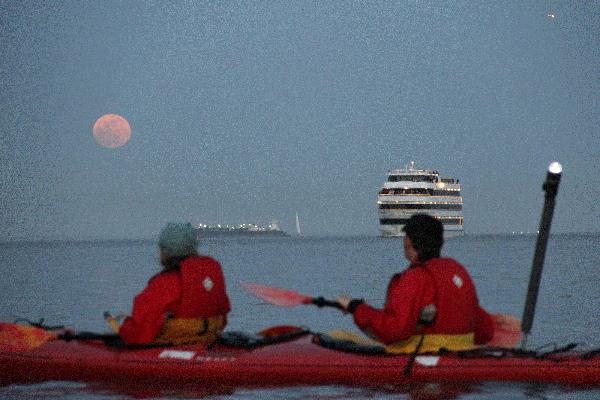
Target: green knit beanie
178	240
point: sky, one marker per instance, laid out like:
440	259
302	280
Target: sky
244	112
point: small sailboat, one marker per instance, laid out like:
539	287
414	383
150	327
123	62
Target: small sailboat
298	231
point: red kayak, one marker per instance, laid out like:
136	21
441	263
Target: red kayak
290	357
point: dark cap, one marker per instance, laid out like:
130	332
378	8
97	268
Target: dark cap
426	234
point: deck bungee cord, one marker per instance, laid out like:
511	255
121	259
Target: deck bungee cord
285	333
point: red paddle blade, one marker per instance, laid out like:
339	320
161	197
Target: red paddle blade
507	332
17	337
276	296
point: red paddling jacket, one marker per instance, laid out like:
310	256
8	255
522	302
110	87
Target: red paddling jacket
460	322
195	292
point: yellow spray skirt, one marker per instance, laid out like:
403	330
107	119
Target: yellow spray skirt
431	343
191	331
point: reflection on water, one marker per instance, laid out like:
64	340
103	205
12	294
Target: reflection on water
420	391
69	390
73	283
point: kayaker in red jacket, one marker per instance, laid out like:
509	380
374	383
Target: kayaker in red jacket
434	301
184	303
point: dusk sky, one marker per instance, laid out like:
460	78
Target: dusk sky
253	111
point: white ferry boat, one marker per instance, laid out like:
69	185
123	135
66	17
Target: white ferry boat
411	191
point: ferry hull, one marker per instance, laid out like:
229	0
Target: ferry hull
396	231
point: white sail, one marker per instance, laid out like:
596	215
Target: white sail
298	225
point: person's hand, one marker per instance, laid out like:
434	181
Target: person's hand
344	301
120	316
112	322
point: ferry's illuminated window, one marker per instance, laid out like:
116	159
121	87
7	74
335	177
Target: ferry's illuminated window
426	206
411	191
410	178
403	221
446	193
419	192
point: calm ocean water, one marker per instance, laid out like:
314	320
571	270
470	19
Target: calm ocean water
73	283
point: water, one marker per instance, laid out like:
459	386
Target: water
73	283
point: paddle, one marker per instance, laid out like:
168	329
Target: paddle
21	337
286	298
507	332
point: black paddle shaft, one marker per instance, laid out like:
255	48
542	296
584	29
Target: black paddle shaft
69	336
322	302
551	188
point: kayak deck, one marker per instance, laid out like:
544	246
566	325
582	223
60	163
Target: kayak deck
298	361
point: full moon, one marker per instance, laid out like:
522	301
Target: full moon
111	131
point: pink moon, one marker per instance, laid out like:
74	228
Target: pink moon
111	131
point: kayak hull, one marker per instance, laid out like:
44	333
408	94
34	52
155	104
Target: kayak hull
296	362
